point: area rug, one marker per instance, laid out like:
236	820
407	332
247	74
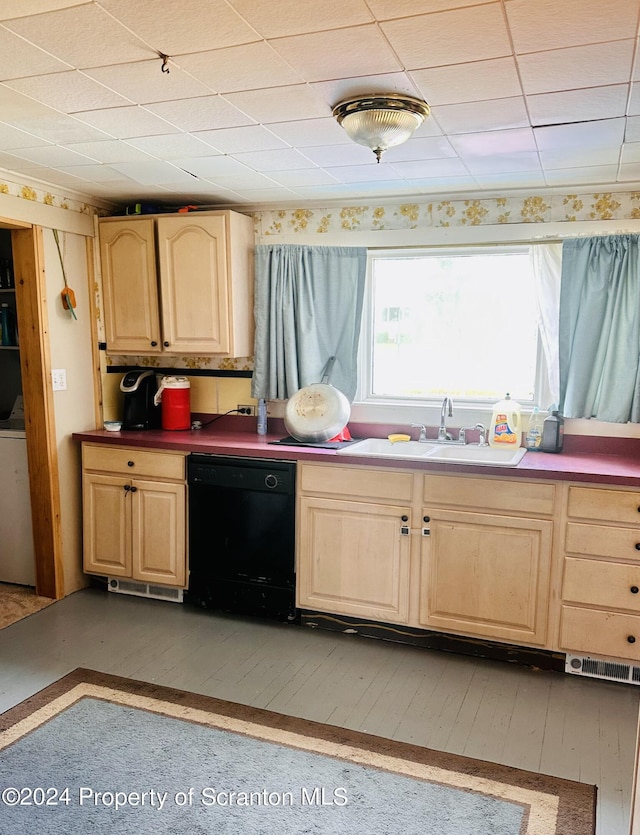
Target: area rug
101	754
17	602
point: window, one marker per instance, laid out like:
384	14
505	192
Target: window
461	322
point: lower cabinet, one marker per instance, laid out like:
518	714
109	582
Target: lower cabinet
354	541
601	581
486	575
134	512
427	550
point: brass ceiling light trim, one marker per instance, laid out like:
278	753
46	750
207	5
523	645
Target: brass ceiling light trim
381	121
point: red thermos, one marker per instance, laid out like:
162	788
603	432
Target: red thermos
174	394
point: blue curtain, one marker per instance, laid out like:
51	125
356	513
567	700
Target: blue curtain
308	307
600	329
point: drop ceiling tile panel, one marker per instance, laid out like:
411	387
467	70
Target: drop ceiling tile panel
273	195
434	147
432	168
11	137
593	104
143	82
95	173
498	114
630	152
242	179
284	159
12	163
52	156
21	8
152	172
490	143
209	167
454	37
238	140
310	132
306	177
593	175
634	100
240	68
510	180
548	24
175	28
579	157
60	129
171	146
632	129
200	114
338	54
382	173
330	155
20	59
108	151
504	163
126	122
604	134
391	9
68	92
280	104
276	18
581	66
629	173
480	80
84	36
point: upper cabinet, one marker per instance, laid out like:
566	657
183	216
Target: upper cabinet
178	284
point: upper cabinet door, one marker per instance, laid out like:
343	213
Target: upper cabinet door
130	289
194	284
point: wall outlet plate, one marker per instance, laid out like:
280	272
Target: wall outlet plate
246	409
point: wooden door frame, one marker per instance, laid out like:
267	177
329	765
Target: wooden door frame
35	365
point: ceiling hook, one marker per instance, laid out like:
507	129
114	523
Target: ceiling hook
165	62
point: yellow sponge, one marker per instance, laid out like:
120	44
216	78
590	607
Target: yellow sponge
398	437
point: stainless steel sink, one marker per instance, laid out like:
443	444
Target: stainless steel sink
484	455
454	454
383	448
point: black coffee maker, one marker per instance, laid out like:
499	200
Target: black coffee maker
140	412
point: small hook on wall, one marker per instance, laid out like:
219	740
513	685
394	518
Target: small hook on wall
165	62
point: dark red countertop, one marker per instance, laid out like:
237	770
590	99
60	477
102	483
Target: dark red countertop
592	459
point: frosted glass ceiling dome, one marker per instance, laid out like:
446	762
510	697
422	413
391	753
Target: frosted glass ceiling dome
381	121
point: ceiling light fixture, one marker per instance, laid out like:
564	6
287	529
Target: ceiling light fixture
381	121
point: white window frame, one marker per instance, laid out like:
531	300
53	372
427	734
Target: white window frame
405	411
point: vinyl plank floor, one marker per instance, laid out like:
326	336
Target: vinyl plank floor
566	726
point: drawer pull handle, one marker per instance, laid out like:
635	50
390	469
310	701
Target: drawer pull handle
634	589
130	463
631	639
405	518
426	518
637	546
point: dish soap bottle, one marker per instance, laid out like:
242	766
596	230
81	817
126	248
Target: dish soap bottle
505	424
533	437
553	433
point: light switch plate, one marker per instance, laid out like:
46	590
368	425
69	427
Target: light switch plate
59	379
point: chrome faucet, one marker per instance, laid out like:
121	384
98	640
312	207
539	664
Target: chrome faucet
447	409
423	432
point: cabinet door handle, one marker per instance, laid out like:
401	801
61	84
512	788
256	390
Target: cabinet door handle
126	488
154	343
131	463
134	489
166	344
631	639
634	589
637	546
405	518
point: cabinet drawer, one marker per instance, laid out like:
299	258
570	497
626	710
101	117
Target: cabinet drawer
601	633
134	462
606	584
602	541
606	505
356	482
489	494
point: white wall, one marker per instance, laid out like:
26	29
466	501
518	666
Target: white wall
70	348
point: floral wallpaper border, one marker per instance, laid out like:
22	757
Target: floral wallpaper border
47	197
569	208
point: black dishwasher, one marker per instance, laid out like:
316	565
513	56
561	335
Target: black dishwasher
242	535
